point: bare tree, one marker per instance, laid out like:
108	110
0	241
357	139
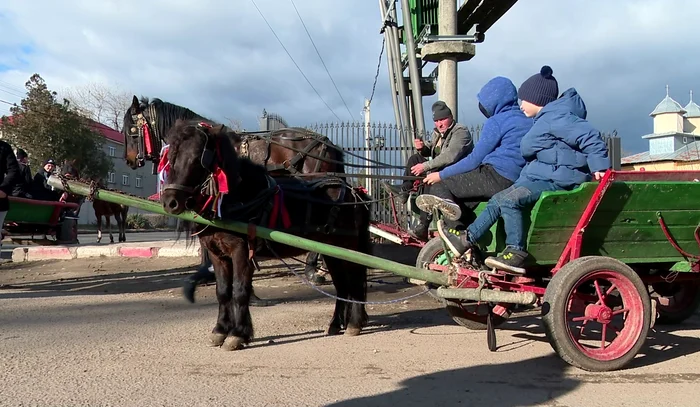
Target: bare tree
235	124
100	102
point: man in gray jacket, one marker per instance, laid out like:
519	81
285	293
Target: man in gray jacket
450	142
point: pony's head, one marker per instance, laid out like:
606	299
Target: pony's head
196	153
145	126
134	127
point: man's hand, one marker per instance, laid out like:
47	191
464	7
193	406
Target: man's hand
418	169
598	175
432	178
3	195
418	144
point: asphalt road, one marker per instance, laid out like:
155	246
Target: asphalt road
116	332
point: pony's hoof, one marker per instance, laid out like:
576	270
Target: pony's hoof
216	340
233	343
352	331
333	330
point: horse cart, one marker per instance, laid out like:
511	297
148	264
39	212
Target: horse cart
31	217
609	259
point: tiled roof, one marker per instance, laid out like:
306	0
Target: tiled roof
689	152
106	131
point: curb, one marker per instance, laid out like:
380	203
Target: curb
22	254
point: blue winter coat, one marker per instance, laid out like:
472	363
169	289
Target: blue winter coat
562	147
499	142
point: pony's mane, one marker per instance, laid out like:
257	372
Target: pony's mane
166	114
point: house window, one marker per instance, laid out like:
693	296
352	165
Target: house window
110	177
125	179
112	151
138	182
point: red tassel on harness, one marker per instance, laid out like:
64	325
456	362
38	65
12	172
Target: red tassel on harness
163	160
221	180
147	140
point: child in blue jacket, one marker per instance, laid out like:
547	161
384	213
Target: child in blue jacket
562	151
493	165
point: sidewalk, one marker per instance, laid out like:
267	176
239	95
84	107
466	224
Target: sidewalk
79	251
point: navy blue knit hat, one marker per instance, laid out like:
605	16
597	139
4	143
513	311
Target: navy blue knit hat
540	89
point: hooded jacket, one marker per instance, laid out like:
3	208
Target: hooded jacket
562	147
499	141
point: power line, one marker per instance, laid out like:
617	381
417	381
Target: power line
12	87
319	57
295	63
9	103
5	89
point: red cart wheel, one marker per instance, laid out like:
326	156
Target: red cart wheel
468	314
596	313
677	301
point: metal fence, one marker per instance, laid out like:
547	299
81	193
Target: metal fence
392	145
382	143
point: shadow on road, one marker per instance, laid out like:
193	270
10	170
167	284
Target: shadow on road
524	383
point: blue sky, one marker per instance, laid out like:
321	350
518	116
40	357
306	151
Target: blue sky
221	60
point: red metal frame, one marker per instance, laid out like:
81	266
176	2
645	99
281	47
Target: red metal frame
573	248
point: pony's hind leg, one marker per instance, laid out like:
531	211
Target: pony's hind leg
338	321
108	220
99	227
355	313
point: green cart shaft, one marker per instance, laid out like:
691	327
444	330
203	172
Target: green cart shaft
403	270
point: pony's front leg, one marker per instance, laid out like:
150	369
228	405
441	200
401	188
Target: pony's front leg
234	286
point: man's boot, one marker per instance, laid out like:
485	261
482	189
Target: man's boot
421	231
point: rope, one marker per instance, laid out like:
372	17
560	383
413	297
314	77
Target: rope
303	278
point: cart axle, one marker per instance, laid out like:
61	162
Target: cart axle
474	294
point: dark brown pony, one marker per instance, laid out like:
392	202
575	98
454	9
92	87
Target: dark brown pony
289	150
102	209
285	151
329	212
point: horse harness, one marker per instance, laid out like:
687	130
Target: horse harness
265	208
288	165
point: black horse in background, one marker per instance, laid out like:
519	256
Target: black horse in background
286	151
326	210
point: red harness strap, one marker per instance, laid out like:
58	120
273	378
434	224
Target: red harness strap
278	207
147	140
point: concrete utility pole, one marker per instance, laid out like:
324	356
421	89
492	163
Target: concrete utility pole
447	68
447	52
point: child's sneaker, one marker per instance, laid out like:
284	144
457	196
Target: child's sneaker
449	209
456	240
510	260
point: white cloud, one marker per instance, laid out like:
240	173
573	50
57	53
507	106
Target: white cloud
220	59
